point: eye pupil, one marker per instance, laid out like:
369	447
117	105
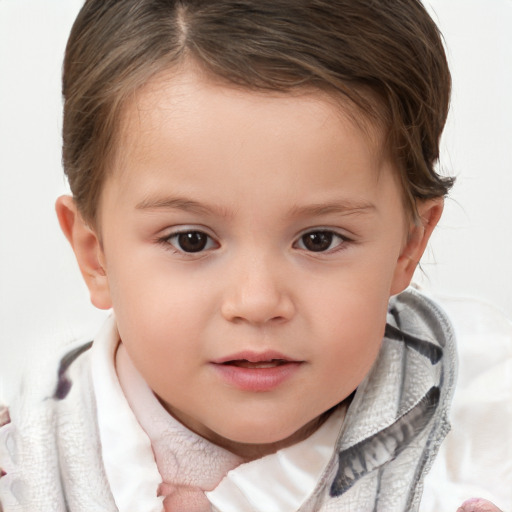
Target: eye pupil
192	241
317	241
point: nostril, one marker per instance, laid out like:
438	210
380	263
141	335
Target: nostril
260	306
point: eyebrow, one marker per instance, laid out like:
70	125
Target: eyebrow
341	207
179	203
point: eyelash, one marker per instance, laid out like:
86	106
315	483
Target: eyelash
341	244
167	241
301	243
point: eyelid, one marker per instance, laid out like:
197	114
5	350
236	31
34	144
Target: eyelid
176	231
344	239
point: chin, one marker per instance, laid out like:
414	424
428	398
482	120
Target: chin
257	440
258	435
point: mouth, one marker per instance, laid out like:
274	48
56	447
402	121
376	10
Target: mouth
251	371
243	363
249	359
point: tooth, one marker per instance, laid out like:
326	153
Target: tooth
260	364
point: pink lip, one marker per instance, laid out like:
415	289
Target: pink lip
256	379
253	357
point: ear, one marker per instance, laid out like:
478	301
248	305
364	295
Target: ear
88	251
429	213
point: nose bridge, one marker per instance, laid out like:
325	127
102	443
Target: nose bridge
258	290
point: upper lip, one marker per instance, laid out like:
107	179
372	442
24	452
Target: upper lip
254	357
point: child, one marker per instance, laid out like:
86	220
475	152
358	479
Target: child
253	186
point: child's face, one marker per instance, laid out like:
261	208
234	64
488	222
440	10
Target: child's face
250	244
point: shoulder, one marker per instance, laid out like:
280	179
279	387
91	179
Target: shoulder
49	380
475	458
398	416
30	428
50	450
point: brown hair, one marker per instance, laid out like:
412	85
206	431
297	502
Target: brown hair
385	56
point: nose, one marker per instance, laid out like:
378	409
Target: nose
258	292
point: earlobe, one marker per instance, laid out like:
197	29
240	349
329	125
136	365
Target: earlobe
87	249
429	213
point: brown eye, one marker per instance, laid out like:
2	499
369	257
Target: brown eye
190	241
319	241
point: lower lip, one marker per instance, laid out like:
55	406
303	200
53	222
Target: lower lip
257	379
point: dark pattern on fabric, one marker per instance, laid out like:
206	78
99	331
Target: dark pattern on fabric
63	383
423	347
384	446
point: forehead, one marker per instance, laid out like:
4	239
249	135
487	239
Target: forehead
200	100
198	126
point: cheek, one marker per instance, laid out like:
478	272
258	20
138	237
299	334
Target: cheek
351	319
145	280
158	307
356	327
350	357
355	294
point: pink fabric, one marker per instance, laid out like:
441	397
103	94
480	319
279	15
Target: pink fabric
4	420
4	415
183	498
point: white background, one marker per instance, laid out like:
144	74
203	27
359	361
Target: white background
42	298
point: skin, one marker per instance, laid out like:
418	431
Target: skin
478	505
254	173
